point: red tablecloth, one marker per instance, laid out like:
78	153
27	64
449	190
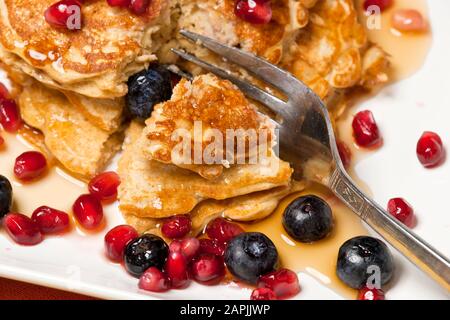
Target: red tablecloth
10	289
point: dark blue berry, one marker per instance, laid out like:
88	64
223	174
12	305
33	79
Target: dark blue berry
5	196
145	252
362	257
146	89
250	255
308	219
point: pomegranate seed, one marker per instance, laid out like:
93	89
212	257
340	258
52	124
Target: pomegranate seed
88	211
104	186
254	11
222	230
22	229
119	3
401	210
212	246
370	294
345	153
263	294
409	20
2	141
60	14
177	270
382	4
190	247
430	149
4	92
50	220
283	282
139	6
365	129
176	227
117	239
154	280
30	165
208	269
10	117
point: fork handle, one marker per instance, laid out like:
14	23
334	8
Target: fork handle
403	239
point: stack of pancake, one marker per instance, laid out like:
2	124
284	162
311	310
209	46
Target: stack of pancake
73	85
160	180
74	82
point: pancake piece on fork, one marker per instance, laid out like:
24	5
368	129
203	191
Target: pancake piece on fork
207	109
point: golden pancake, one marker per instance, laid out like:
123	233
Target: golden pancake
95	61
153	189
216	19
251	207
332	52
75	142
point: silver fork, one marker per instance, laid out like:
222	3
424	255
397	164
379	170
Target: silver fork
307	141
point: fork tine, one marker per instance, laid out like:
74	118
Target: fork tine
273	103
280	79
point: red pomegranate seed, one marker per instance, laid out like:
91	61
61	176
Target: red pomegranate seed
10	117
190	247
370	294
4	92
382	4
223	230
176	227
263	294
119	3
22	229
212	246
430	149
365	129
139	6
50	220
409	20
117	239
345	153
60	14
401	210
154	280
208	269
30	165
104	186
254	11
88	211
283	282
177	269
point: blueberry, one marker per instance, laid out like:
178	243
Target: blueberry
5	196
250	255
146	89
308	219
145	252
357	258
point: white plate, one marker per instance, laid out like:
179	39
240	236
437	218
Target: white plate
75	262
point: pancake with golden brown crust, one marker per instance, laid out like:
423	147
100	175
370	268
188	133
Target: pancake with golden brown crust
75	142
156	190
217	19
332	52
213	114
95	61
